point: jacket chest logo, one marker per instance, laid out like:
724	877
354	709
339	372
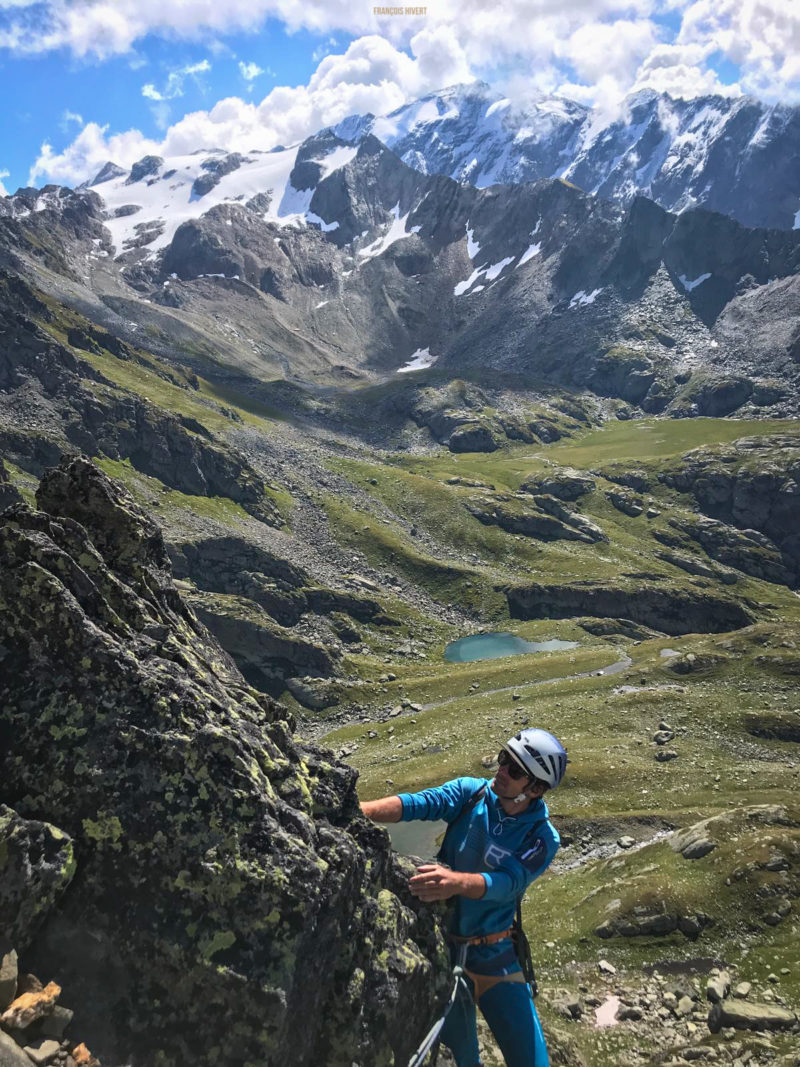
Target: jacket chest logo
494	855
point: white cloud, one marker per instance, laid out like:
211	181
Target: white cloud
679	71
324	49
762	37
594	51
597	50
250	71
3	174
87	153
174	84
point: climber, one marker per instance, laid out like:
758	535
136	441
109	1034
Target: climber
499	839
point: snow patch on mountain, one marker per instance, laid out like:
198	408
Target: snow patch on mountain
582	298
473	248
326	227
420	360
462	287
497	269
693	284
396	232
529	253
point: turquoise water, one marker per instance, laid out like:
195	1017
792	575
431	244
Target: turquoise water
494	646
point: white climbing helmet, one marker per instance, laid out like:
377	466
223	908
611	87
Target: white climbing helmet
542	755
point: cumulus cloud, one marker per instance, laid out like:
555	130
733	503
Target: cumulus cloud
679	70
762	37
87	153
593	51
3	190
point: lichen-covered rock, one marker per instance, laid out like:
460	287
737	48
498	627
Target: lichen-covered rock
37	863
8	493
250	913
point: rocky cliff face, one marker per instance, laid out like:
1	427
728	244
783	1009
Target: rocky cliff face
228	903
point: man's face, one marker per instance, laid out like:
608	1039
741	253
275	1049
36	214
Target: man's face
506	782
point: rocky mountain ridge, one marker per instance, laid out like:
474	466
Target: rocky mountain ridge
727	154
373	269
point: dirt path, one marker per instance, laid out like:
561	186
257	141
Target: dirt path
317	731
614	668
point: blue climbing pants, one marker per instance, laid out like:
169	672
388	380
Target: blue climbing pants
509	1010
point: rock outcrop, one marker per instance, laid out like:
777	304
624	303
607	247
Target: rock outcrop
669	610
553	521
753	485
238	906
564	482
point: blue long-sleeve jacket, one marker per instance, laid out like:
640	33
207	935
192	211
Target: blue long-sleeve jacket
510	851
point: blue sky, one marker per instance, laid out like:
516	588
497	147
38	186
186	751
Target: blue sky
50	97
88	80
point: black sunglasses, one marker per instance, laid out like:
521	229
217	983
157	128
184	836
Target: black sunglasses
514	769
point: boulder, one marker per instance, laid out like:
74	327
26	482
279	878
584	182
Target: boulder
313	693
28	1007
718	986
473	437
563	482
749	1015
42	1051
693	842
8	975
37	862
11	1055
630	505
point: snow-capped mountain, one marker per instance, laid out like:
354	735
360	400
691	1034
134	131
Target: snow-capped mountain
733	155
334	261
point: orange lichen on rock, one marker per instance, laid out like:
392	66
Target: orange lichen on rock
83	1057
30	1006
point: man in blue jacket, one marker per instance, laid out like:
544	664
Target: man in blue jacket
499	840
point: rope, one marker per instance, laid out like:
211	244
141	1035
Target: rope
431	1037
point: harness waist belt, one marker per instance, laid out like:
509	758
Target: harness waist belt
482	939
